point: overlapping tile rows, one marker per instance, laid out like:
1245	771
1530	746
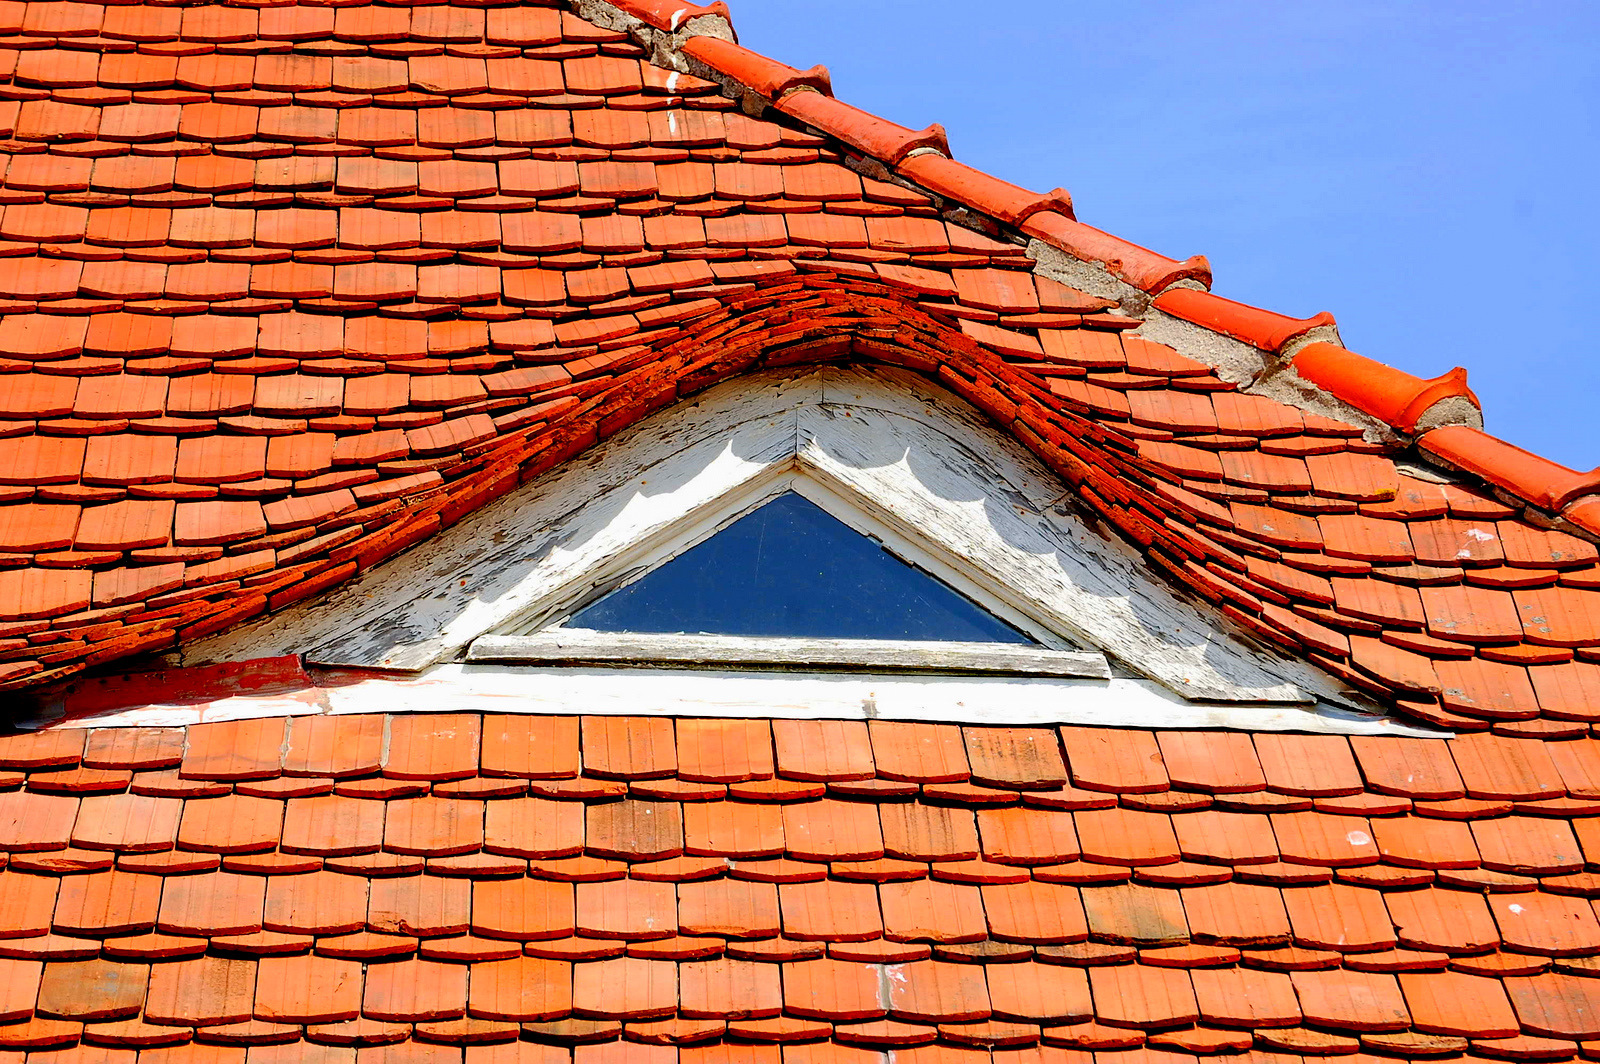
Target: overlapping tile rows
287	289
633	888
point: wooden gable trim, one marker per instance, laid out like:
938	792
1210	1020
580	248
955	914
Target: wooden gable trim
937	482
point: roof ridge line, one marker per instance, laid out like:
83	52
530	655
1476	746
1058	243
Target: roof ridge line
1440	416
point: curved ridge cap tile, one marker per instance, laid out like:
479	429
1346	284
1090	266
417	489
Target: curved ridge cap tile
1523	473
759	73
671	15
1584	512
878	137
1265	329
1139	266
1009	203
1389	394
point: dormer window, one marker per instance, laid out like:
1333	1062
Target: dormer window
639	578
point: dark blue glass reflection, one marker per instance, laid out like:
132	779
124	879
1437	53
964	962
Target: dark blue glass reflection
792	569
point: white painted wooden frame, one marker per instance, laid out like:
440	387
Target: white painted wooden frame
583	646
887	452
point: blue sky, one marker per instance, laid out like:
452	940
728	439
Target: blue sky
1429	172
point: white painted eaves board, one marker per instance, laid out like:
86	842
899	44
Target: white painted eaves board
1119	702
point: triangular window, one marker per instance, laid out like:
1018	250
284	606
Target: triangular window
789	568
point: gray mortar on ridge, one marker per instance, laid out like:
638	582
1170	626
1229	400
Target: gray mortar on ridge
1234	362
1454	410
1285	385
1091	277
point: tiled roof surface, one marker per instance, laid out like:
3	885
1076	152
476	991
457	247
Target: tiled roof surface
836	888
286	289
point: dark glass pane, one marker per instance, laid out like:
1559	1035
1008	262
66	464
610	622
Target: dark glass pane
790	568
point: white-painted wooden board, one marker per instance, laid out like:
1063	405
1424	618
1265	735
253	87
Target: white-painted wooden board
487	688
1119	702
886	452
584	646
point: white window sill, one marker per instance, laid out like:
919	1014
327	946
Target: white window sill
573	646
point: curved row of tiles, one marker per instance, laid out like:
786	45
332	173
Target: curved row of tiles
1479	684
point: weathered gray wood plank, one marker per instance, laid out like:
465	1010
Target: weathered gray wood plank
693	651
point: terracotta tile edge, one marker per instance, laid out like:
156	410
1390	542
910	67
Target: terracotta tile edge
1411	404
1544	483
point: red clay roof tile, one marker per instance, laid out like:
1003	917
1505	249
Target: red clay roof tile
628	748
625	988
1110	759
107	903
523	989
218	903
728	907
1415	768
921	832
724	751
928	910
1459	1004
522	909
1226	837
442	747
1360	1001
1217	762
206	991
1126	837
833	990
534	827
1027	836
127	823
415	990
1140	996
1556	1005
1134	914
331	825
1497	767
1415	843
830	910
1527	845
31	822
433	827
1309	765
307	989
324	903
1340	917
1321	839
425	906
1035	913
1236	914
232	823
